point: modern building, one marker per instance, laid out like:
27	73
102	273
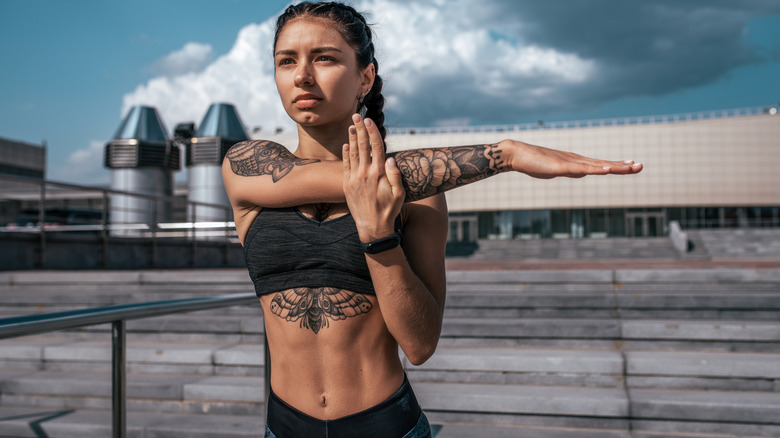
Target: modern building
705	170
714	169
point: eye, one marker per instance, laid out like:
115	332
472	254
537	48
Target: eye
324	58
285	61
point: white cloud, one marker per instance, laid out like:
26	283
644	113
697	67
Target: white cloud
424	53
487	61
83	165
190	58
243	77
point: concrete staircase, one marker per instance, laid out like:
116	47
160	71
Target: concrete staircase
574	249
592	353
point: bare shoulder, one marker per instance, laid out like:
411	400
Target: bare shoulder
261	157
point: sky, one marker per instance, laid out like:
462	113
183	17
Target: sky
73	69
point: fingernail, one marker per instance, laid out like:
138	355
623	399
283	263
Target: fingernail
607	168
629	161
352	130
391	161
368	123
637	164
356	118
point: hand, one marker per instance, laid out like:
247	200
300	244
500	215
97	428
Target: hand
541	162
372	185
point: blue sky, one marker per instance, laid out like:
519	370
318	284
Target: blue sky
73	68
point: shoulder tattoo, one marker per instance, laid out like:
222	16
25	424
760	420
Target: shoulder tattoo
261	157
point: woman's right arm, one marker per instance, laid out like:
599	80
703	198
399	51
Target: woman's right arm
261	173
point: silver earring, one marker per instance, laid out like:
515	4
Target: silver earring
362	107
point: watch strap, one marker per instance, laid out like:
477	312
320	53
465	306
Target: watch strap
383	244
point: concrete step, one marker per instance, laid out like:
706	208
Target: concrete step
225	395
237	359
63	423
525	366
608	408
540	249
92	423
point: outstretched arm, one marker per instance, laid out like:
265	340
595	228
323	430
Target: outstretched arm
266	174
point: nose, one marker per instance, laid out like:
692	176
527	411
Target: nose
303	75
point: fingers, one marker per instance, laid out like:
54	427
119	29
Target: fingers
624	167
366	144
363	141
345	158
394	178
354	151
377	143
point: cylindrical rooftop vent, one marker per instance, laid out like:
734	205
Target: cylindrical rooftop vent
142	162
219	130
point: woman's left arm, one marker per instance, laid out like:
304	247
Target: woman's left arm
410	279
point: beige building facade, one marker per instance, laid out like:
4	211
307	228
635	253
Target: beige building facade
718	169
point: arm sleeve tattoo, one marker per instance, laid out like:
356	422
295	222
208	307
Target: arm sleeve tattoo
253	158
427	172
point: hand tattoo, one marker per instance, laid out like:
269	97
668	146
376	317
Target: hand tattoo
254	158
315	306
427	172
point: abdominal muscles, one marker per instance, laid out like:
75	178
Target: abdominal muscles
331	352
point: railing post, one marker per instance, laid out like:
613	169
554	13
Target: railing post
104	229
42	223
118	384
154	231
193	256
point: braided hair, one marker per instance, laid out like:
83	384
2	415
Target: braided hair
356	32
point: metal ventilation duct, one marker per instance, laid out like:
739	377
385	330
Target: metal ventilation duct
219	130
142	162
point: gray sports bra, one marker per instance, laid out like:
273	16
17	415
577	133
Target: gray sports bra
284	249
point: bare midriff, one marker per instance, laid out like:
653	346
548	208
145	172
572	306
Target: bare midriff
346	367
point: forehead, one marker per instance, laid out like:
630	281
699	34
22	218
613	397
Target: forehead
309	32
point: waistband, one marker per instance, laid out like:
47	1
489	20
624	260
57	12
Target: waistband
392	418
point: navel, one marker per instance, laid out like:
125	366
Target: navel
323	402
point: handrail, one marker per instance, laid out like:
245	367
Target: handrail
54	321
117	315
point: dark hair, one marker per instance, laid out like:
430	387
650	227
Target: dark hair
356	32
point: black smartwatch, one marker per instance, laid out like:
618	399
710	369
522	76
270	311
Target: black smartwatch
383	244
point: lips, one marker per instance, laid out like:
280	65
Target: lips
304	101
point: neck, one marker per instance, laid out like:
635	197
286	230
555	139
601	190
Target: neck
322	142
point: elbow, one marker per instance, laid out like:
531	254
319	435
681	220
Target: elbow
420	353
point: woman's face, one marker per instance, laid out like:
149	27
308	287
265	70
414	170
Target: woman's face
317	74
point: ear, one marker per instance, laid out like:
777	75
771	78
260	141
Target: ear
367	77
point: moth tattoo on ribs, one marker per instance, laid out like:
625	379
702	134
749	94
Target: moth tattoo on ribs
314	307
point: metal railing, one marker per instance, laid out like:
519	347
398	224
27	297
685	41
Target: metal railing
169	217
117	315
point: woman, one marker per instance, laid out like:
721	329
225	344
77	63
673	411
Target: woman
346	248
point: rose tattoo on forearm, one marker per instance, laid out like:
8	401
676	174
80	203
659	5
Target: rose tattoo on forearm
427	172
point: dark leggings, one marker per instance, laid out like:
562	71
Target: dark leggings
396	417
